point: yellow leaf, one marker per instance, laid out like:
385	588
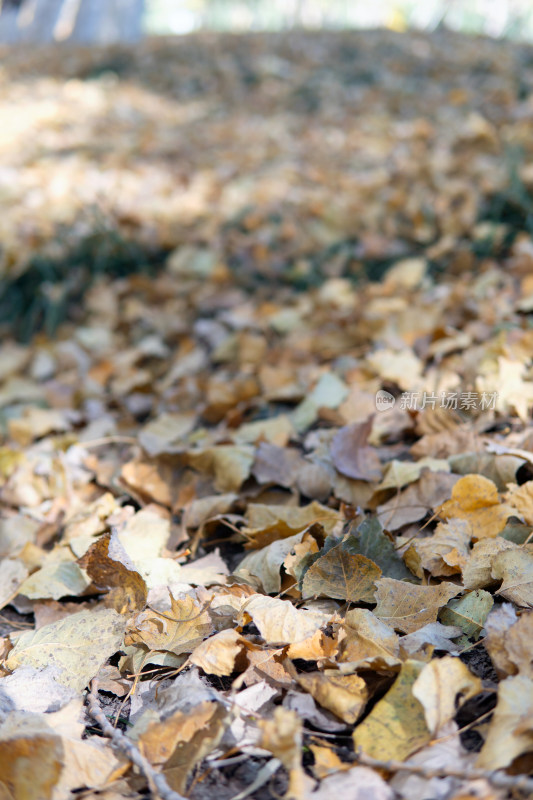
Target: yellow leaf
396	726
476	500
77	645
280	622
344	695
185	626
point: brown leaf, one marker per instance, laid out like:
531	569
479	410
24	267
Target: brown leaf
407	607
351	454
110	570
341	575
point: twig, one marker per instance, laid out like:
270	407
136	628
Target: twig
121	742
497	778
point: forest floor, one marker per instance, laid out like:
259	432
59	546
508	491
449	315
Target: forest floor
266	383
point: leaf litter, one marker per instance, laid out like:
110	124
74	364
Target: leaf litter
234	504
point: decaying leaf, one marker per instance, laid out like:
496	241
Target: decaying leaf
515	569
366	640
216	655
279	622
407	607
282	736
180	741
344	695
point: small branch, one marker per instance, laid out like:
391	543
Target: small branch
121	742
497	778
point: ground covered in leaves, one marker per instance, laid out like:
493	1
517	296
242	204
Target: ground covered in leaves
265	403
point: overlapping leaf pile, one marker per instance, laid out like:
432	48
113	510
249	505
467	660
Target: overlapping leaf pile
203	512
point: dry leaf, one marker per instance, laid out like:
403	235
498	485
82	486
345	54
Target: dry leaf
407	607
77	646
279	622
216	655
442	686
475	499
510	730
351	454
108	566
344	695
185	626
515	569
396	726
339	574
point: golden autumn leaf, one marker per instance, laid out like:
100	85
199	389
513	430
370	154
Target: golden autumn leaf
282	736
515	569
475	499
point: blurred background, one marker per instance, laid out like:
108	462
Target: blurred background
108	21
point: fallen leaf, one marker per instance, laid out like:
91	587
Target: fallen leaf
396	726
351	454
56	580
476	500
446	551
337	573
367	640
413	503
344	695
77	646
468	613
407	607
442	686
510	730
12	576
515	569
279	622
229	465
108	566
216	655
266	563
282	736
370	540
180	631
357	783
